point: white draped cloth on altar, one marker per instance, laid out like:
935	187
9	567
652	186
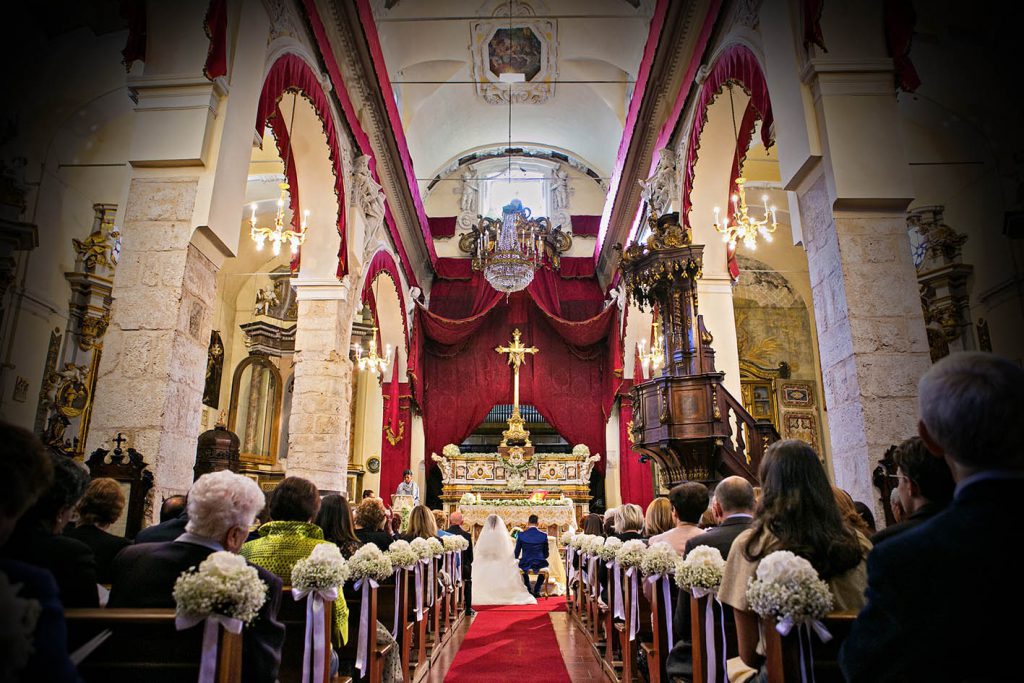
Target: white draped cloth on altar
496	576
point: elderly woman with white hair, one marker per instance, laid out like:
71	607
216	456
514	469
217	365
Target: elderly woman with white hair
221	508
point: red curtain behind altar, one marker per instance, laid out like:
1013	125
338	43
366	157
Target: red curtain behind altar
636	483
571	381
394	458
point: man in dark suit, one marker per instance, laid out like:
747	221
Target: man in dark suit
221	507
912	627
173	518
733	507
532	552
924	485
455	527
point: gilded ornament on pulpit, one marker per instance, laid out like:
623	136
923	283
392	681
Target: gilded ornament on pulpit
214	370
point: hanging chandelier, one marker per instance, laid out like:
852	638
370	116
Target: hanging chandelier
371	362
744	227
510	259
278	234
655	358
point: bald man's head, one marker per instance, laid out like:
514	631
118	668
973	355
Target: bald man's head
455	519
735	494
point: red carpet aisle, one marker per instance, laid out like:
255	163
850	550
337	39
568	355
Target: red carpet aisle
511	643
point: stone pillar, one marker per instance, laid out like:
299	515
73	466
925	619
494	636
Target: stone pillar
318	432
151	376
870	332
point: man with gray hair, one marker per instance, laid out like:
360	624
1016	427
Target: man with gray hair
221	508
930	588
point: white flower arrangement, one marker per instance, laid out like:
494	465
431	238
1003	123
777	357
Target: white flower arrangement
701	568
402	554
370	562
18	618
223	584
609	549
436	547
566	538
450	543
788	588
581	450
323	570
660	559
593	544
631	554
526	503
450	451
577	541
515	482
468	499
422	548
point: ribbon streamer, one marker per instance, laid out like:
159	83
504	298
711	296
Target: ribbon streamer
618	611
666	598
803	632
398	589
634	617
709	630
570	557
366	583
458	567
314	634
211	629
419	591
595	588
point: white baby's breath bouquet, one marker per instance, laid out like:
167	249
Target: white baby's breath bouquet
436	547
223	584
789	589
402	554
609	548
659	560
451	543
581	450
631	554
467	499
450	451
323	570
370	562
701	569
592	544
577	541
567	536
422	548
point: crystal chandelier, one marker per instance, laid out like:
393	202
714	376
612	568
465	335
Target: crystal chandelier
510	260
655	358
278	234
745	227
371	362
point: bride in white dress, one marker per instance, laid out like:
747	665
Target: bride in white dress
496	576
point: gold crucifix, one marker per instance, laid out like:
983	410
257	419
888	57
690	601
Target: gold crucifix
516	351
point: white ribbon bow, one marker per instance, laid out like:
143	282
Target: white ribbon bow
714	661
314	634
618	611
634	621
211	628
419	590
803	632
666	598
366	583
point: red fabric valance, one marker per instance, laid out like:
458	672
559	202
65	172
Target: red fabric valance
586	226
900	19
453	268
134	13
383	263
577	266
216	27
442	226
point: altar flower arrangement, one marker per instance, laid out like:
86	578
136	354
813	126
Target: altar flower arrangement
468	499
421	548
581	450
527	503
370	562
631	554
224	584
436	547
702	568
402	554
17	629
450	451
323	570
660	559
789	589
609	548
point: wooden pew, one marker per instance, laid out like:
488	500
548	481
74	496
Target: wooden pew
145	645
656	649
782	653
293	616
611	652
629	647
702	668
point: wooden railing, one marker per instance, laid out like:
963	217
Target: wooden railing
742	452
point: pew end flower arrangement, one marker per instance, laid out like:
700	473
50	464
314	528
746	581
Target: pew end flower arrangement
325	569
224	585
701	570
788	589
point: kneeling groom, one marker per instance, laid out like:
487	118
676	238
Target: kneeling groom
532	552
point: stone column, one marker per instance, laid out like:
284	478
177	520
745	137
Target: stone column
151	376
318	433
870	332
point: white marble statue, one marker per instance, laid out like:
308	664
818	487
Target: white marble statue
446	467
367	190
587	466
266	300
559	190
657	190
470	192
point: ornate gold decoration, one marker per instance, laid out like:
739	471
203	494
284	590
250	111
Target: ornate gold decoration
391	436
642	274
92	329
516	351
716	412
629	433
103	245
664	415
745	227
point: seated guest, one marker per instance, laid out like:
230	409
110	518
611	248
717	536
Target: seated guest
593	525
221	507
658	519
441	522
467	559
369	519
368	493
37	538
25	472
421	524
689	500
100	507
170	527
865	513
896	506
798	512
707	518
924	487
848	510
609	522
532	553
335	519
933	591
629	522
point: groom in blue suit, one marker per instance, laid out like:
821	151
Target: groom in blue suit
532	552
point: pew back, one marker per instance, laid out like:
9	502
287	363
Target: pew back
293	616
783	653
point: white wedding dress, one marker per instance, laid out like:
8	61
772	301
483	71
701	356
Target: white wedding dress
496	576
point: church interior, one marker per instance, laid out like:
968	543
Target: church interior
537	258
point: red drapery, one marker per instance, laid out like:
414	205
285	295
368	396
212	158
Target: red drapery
394	457
442	226
635	480
900	19
383	263
134	12
586	226
283	143
812	23
289	72
570	382
216	27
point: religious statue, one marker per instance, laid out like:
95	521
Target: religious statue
415	294
559	190
556	242
446	466
266	300
367	190
470	192
214	370
657	190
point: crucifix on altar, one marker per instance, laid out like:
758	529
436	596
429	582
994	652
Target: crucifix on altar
516	350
